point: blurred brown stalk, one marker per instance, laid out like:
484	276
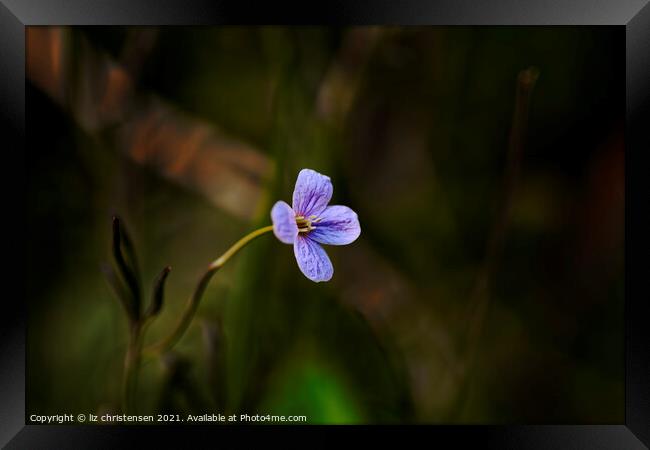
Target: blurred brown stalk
99	92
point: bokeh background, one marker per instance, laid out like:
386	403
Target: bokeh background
191	134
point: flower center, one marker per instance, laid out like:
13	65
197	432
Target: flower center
305	224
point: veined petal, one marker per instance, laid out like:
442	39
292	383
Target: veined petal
338	225
284	222
312	259
312	193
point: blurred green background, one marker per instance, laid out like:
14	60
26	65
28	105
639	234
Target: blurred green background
191	134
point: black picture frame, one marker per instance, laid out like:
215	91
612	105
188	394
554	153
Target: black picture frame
633	15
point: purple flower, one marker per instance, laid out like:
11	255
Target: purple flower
310	222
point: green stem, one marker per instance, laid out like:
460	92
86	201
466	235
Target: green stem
131	361
193	302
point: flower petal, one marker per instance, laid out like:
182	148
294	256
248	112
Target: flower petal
284	222
312	193
312	259
339	225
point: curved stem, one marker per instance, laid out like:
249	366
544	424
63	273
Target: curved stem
193	302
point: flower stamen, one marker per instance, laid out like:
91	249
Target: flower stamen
305	224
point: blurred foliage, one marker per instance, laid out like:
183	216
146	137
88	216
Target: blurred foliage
420	155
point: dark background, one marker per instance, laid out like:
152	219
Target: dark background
419	153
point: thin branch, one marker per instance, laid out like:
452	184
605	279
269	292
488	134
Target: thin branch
480	298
